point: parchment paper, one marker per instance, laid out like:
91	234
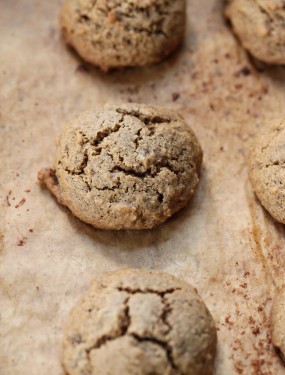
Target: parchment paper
223	243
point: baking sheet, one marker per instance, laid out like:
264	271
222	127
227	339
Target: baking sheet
223	243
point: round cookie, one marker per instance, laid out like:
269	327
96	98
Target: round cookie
127	167
260	26
117	34
278	322
139	322
266	170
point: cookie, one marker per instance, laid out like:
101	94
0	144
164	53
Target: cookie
126	167
266	170
260	26
116	34
139	322
278	322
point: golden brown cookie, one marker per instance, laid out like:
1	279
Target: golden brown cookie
267	170
278	322
126	167
260	26
139	322
117	34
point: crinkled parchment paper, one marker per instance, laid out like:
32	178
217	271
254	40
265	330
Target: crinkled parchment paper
223	243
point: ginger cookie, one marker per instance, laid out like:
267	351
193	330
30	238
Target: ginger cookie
278	323
125	167
260	26
117	34
139	322
266	170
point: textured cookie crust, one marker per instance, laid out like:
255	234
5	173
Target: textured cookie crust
127	167
266	170
260	26
116	34
278	322
139	322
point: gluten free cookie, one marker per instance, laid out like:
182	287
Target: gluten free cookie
139	322
267	170
116	34
260	26
125	167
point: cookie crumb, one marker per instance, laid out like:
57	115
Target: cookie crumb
47	176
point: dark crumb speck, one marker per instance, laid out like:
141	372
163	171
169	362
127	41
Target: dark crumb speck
175	96
31	230
82	68
22	241
22	201
7	198
245	71
255	330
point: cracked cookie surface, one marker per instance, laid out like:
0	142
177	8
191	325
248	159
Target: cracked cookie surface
116	34
278	322
266	170
127	167
139	322
260	26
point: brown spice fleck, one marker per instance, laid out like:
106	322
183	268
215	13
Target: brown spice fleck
251	320
27	191
227	320
175	96
22	241
255	330
22	201
7	198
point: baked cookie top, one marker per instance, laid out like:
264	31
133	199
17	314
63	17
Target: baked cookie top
116	34
267	170
127	167
137	322
260	26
